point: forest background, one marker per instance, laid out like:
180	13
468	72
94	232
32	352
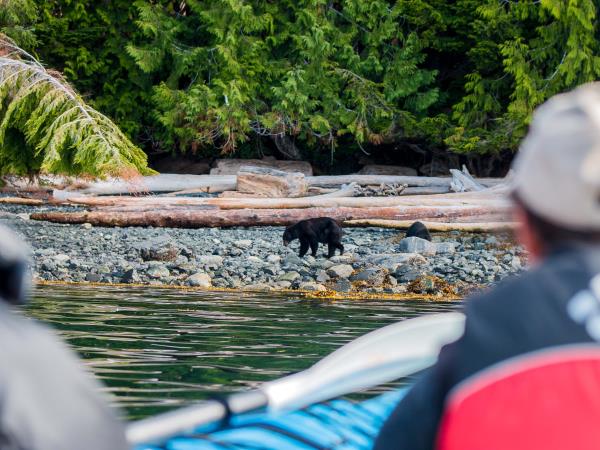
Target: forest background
325	81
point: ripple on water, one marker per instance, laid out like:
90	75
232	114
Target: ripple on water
156	349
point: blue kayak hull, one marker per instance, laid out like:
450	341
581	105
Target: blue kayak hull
339	424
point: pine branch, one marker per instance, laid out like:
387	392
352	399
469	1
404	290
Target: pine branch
62	133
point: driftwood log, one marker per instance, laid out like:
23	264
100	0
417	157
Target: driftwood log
436	226
221	183
186	217
21	201
492	200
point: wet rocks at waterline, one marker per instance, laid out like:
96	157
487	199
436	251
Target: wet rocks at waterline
375	261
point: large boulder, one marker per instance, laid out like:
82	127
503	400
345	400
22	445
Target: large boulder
417	245
199	280
267	182
391	262
160	249
340	271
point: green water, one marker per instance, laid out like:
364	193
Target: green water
158	349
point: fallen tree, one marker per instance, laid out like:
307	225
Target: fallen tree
320	201
21	201
219	183
435	226
185	217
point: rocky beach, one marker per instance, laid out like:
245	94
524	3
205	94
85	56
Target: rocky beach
376	261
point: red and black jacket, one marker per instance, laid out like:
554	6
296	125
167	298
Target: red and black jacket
548	306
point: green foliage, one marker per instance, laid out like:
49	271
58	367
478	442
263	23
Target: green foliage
45	126
526	52
214	76
16	18
86	40
234	70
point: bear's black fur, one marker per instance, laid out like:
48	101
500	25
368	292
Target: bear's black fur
419	230
312	231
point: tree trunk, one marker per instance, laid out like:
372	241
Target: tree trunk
186	217
286	146
318	201
482	227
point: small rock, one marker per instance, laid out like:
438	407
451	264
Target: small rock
312	286
199	280
274	259
292	260
342	285
87	226
243	243
283	284
340	271
491	240
158	272
289	276
392	262
417	245
212	261
322	276
255	260
131	276
61	258
262	287
446	247
159	251
409	276
93	277
375	276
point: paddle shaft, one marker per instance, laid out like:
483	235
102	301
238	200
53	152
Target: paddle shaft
188	418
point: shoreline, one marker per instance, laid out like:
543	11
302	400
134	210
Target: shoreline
379	262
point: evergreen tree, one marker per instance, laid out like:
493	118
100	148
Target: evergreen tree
45	126
526	52
311	70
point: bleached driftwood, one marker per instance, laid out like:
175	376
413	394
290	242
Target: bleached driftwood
464	182
219	183
186	217
156	183
21	201
411	181
319	201
435	226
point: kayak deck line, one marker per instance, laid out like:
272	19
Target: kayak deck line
337	424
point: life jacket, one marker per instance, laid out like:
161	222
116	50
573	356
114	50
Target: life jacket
547	400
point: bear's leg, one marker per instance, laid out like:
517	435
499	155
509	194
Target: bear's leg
331	249
341	247
314	246
303	247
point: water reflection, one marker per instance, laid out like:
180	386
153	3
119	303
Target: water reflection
156	349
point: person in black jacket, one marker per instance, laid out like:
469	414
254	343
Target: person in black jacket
556	198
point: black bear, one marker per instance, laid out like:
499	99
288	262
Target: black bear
419	230
312	231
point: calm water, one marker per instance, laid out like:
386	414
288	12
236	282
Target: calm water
157	349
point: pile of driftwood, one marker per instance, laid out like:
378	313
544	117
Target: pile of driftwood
260	196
